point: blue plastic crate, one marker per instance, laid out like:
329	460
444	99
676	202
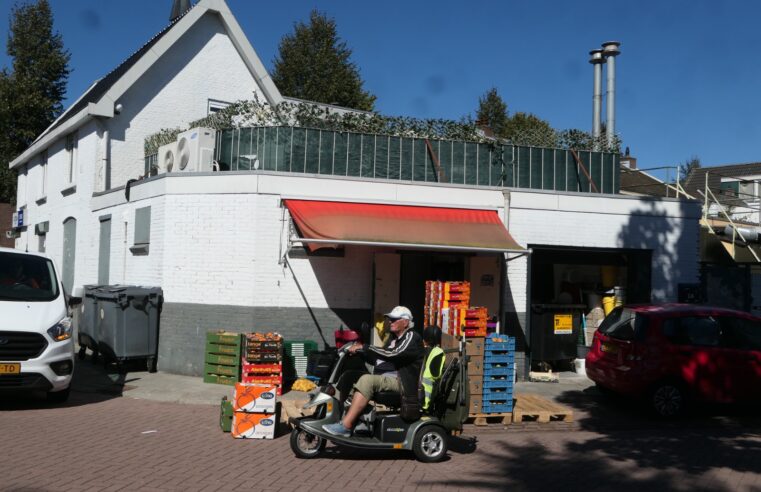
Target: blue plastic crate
497	366
492	394
506	346
496	370
497	383
499	359
493	407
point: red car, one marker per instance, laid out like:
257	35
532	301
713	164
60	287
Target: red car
673	354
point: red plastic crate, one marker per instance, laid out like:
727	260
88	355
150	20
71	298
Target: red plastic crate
261	379
248	368
474	332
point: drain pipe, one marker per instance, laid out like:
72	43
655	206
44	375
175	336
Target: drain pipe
597	59
611	50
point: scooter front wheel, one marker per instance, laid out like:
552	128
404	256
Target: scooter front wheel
306	445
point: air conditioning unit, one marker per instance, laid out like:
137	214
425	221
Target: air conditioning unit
167	158
195	150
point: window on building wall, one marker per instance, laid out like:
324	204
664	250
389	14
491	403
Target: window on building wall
730	188
142	231
215	105
44	172
72	140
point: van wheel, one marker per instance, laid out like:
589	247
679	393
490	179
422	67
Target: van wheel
430	445
668	399
58	396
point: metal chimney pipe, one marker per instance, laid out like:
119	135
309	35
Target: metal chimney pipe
597	59
610	51
179	7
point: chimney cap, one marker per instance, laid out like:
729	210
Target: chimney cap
611	48
596	57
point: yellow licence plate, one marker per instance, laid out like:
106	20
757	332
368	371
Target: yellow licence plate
609	348
6	368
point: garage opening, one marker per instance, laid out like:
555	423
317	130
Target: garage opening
571	290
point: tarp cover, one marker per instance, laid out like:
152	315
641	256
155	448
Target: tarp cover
389	224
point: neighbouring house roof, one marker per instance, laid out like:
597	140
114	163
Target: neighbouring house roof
695	182
100	98
636	182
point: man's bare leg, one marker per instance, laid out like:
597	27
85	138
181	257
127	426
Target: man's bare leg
358	403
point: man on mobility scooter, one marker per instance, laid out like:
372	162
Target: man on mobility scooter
393	425
397	369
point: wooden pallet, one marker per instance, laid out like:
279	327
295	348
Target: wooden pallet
505	418
530	407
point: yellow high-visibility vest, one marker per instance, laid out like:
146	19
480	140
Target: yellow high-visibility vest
428	378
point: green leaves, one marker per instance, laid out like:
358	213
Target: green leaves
315	64
30	95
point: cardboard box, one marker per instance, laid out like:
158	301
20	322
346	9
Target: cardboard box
474	347
476	366
254	425
475	385
254	398
475	404
449	341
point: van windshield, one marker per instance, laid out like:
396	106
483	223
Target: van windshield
623	324
27	278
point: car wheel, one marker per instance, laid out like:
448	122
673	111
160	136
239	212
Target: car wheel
58	396
668	400
430	444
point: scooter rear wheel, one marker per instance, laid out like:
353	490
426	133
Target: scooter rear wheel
430	444
306	445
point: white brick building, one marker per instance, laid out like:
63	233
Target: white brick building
217	243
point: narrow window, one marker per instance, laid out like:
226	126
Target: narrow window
71	150
142	231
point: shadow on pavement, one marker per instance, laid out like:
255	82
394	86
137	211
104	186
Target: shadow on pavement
623	446
94	381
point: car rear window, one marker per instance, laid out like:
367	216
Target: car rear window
27	278
703	331
623	324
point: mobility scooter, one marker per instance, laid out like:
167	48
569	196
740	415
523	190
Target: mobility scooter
383	428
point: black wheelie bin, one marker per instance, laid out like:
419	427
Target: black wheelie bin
129	323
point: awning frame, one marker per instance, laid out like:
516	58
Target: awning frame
437	247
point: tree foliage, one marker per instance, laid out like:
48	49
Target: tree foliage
492	111
315	64
31	93
687	167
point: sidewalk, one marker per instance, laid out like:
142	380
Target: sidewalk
161	386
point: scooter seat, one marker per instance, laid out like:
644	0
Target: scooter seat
388	398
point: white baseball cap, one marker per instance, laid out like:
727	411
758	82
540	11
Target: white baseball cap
400	312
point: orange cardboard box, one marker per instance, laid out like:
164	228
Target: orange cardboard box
254	398
253	425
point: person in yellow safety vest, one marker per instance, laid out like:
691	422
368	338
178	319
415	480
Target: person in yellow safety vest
434	363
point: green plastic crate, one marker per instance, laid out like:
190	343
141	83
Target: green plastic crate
222	370
219	379
224	338
228	360
226	415
222	349
300	348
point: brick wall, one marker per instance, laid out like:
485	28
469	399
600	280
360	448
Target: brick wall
6	214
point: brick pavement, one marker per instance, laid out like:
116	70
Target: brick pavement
100	442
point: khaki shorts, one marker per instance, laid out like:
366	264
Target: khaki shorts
369	384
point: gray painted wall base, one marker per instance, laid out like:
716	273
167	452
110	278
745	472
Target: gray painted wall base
183	328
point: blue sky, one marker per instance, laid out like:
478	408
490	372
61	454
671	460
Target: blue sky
688	75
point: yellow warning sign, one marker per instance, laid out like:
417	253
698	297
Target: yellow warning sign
563	324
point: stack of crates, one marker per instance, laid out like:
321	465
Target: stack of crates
441	301
297	358
470	322
222	363
263	360
499	374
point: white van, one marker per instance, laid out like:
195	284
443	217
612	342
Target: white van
36	339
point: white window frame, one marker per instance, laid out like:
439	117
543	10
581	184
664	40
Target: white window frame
72	143
215	105
44	170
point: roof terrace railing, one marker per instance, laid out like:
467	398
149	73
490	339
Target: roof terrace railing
373	156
